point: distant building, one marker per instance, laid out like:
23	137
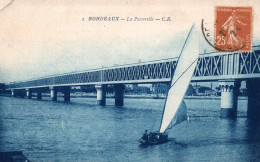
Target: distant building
137	89
210	93
190	91
202	90
75	88
160	88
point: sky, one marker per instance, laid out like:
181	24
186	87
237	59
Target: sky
48	37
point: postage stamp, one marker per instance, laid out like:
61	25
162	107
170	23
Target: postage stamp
233	29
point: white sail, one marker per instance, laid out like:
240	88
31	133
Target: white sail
187	62
180	115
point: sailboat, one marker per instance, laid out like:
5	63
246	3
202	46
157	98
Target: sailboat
175	110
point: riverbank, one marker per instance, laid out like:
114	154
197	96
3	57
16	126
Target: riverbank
137	96
152	96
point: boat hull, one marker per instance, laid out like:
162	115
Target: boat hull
154	138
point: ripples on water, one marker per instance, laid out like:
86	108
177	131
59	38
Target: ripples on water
81	131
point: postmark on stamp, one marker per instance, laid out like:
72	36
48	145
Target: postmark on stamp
233	29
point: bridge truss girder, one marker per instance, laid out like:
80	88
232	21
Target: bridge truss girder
212	66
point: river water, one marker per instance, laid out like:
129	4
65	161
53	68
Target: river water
81	131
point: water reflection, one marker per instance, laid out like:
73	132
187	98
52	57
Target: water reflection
253	130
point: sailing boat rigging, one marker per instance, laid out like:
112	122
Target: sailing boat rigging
175	110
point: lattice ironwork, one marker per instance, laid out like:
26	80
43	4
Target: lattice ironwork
213	66
140	72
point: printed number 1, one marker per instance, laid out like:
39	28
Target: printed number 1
221	40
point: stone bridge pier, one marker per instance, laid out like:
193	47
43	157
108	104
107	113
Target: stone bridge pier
253	90
39	94
119	94
13	92
66	92
53	93
28	93
229	96
101	94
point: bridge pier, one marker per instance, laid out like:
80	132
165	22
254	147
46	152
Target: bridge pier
229	95
119	94
66	91
101	94
12	92
28	93
39	95
53	92
253	90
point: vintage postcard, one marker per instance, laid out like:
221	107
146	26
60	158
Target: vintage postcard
121	80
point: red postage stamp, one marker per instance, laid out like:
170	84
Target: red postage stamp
233	31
